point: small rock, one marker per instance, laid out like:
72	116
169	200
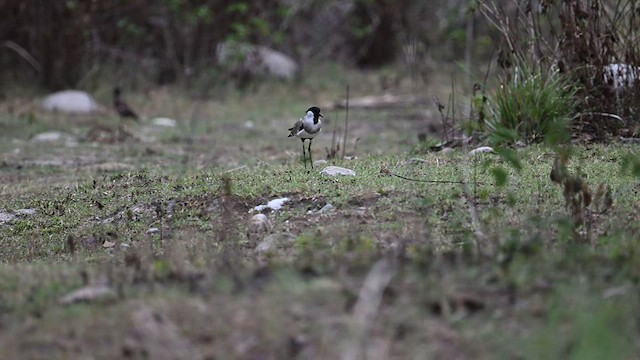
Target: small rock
446	150
25	211
326	209
249	125
6	217
320	162
481	150
88	294
52	136
70	101
259	225
164	122
108	244
336	170
152	230
275	204
273	242
266	246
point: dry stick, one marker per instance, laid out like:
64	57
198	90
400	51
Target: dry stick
453	102
346	125
24	54
471	201
388	172
333	151
367	307
468	51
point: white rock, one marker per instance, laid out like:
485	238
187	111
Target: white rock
152	230
275	204
481	150
164	122
6	217
278	64
70	101
25	211
621	75
52	136
88	293
257	60
336	170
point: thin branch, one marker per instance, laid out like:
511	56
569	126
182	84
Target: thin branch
24	54
386	171
367	307
346	125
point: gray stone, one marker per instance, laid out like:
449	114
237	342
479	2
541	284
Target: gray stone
274	242
336	170
6	217
25	211
164	122
87	294
275	204
481	150
71	102
257	60
53	136
152	230
326	209
259	225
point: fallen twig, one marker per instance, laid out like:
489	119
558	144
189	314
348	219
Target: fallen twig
366	308
386	171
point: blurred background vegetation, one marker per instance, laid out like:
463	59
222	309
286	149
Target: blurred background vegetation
211	45
73	43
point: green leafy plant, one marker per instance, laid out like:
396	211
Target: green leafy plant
532	106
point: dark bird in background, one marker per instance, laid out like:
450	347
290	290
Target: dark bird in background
123	109
307	128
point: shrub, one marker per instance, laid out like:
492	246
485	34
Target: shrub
531	106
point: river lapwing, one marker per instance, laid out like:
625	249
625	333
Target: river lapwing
123	109
307	128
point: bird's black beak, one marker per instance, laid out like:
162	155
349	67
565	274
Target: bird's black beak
320	115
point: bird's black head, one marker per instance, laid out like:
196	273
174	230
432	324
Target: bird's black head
116	91
316	113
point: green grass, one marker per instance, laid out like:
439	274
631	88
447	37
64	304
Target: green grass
530	291
532	106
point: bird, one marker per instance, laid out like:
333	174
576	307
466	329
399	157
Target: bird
307	128
123	109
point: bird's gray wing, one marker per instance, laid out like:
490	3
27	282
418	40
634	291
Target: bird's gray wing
296	127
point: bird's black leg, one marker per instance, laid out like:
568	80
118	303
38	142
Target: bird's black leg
304	158
310	158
